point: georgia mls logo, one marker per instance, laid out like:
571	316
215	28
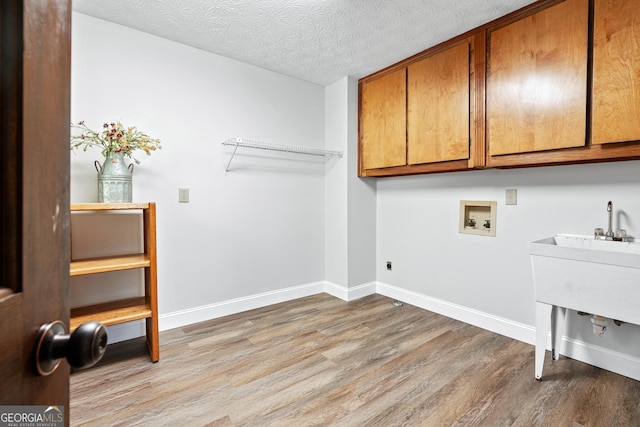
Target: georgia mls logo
31	416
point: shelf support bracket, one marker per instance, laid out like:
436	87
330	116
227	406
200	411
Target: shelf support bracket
231	159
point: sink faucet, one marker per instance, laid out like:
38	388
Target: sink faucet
619	236
609	235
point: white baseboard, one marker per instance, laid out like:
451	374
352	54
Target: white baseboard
499	325
601	357
177	319
613	361
181	318
352	293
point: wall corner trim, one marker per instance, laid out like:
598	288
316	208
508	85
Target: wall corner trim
350	293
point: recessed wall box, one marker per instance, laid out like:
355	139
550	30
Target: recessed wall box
478	217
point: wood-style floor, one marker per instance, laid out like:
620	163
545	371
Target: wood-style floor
320	361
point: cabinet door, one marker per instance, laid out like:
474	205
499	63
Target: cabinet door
438	100
383	128
616	71
537	81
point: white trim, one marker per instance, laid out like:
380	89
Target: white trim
181	318
352	293
620	363
193	315
177	319
499	325
611	360
203	313
601	357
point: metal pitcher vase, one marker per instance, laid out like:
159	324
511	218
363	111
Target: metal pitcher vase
114	179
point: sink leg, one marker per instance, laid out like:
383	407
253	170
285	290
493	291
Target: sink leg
557	328
543	322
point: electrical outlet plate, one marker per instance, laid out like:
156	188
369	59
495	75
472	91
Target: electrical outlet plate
511	196
475	215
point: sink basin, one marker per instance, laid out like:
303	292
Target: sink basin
586	248
588	242
597	276
580	273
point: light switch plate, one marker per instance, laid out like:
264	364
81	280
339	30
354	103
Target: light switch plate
183	195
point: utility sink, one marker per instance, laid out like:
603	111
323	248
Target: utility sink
581	273
596	250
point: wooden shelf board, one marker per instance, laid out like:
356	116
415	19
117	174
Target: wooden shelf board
111	313
106	264
107	206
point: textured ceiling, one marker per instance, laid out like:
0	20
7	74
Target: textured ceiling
319	41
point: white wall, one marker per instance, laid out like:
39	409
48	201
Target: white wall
336	269
254	231
350	202
487	280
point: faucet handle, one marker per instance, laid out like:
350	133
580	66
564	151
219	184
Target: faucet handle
598	232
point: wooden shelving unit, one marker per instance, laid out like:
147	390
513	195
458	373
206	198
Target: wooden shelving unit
130	309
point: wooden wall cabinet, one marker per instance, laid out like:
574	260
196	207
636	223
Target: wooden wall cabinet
430	123
383	111
557	82
130	309
616	72
537	81
438	101
603	124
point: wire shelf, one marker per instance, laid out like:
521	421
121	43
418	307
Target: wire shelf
269	146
